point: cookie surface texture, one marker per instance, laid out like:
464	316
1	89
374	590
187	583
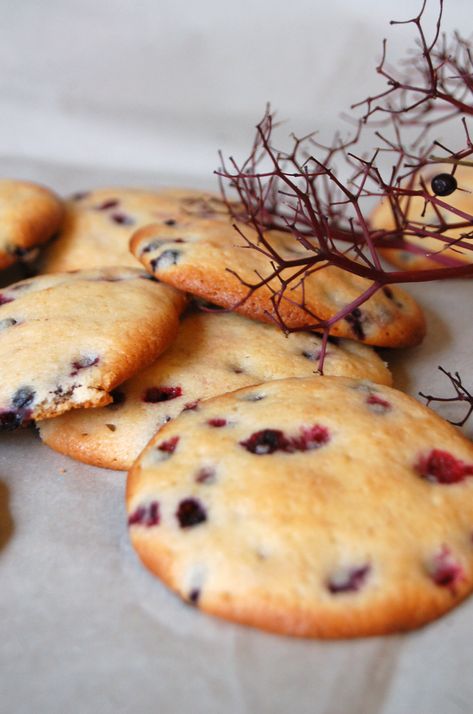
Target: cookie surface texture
321	507
98	224
67	340
196	256
29	215
213	354
428	218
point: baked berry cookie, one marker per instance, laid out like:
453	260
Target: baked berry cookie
425	216
197	257
29	215
98	224
213	353
322	507
67	340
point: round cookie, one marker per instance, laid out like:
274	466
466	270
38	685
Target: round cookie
426	217
322	507
213	353
98	224
196	257
29	215
67	340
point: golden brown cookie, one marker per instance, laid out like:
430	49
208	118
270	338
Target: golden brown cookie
196	256
322	507
427	217
29	215
98	224
67	340
213	353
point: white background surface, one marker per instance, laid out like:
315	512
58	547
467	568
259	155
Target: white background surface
101	91
161	85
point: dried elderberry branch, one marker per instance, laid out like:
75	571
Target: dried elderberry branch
436	87
461	395
309	201
300	192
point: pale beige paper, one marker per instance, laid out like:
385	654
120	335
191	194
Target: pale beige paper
84	629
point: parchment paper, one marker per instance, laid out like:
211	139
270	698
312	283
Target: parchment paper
85	629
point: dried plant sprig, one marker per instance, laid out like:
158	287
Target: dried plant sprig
302	191
461	395
438	83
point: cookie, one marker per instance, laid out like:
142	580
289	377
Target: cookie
322	507
29	215
213	353
196	257
67	340
98	224
427	217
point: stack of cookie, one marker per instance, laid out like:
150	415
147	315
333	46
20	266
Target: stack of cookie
259	491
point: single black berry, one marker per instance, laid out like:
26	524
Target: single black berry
444	184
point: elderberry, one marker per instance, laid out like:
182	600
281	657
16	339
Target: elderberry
444	184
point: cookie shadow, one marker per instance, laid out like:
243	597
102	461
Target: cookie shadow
6	521
407	364
397	361
12	275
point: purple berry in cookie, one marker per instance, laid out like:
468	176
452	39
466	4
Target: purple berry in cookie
122	219
147	516
312	356
165	260
169	446
311	437
206	475
350	580
109	203
20	414
377	404
441	467
154	245
217	422
444	570
83	363
8	322
190	513
354	319
23	398
158	242
153	395
4	299
266	441
194	596
191	406
79	196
